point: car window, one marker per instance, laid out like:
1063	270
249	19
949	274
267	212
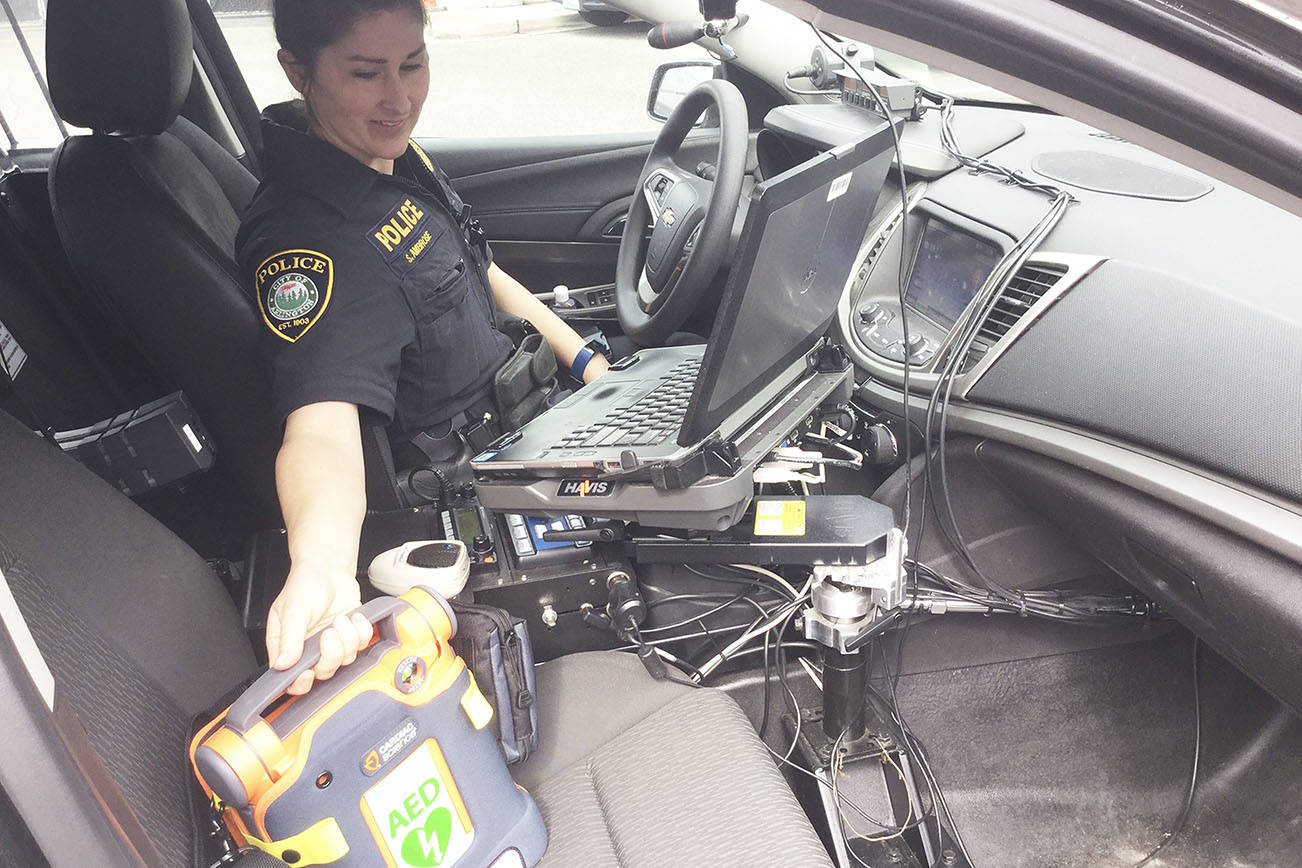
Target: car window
27	121
529	69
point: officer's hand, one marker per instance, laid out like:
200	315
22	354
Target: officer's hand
310	602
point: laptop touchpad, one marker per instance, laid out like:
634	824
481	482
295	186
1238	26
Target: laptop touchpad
599	391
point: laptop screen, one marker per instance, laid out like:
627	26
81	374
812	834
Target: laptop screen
797	248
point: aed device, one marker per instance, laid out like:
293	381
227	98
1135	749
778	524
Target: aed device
389	763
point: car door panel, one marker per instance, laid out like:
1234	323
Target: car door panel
553	206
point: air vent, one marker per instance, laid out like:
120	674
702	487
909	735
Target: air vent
1023	290
883	235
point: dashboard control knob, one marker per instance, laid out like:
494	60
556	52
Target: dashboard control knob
482	545
549	616
880	445
916	343
868	313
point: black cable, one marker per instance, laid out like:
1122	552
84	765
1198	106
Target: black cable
1080	608
923	812
704	598
648	652
918	752
695	618
440	477
729	628
959	350
911	749
686	666
748	578
929	811
709	636
789	644
764	720
789	695
900	288
1183	816
901	294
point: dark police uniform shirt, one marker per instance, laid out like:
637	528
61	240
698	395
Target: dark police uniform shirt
368	290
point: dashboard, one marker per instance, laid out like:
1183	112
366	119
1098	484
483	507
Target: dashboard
1165	317
1151	345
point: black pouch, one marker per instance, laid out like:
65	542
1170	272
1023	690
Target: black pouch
495	645
521	386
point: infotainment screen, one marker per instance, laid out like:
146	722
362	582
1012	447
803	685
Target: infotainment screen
949	268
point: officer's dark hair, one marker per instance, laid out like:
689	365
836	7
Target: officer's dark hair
304	27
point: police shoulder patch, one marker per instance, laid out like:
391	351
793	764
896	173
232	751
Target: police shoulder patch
293	290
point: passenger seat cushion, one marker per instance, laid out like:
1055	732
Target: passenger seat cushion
672	776
584	702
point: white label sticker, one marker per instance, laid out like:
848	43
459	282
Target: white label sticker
194	439
12	354
415	813
839	186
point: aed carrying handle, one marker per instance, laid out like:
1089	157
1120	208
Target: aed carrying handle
382	612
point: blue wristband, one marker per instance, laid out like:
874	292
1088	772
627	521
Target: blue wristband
580	363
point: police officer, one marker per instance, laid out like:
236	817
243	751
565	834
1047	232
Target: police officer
377	294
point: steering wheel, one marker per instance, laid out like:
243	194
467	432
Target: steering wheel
658	281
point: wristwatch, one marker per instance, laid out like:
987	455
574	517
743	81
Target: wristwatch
594	346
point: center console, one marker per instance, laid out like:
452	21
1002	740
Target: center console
947	260
549	583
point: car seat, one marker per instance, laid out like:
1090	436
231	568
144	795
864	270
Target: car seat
140	636
147	207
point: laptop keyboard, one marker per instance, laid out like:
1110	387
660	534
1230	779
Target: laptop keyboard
649	420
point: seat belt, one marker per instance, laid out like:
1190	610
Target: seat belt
7	388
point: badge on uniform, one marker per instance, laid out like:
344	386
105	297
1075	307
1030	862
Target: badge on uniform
293	290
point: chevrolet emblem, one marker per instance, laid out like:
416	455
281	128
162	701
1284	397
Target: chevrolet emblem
668	217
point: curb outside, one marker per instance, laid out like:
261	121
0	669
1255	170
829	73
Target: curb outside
461	19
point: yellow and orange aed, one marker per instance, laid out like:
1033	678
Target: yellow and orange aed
389	763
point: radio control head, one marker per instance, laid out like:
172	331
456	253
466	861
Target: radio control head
438	564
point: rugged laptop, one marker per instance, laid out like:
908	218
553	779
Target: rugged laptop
659	407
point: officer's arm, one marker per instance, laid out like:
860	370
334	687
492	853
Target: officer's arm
321	483
511	297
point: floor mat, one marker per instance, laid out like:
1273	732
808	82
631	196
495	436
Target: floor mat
1072	760
1082	759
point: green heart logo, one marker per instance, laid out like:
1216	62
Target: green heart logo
425	846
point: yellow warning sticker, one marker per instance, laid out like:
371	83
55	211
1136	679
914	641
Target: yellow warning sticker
780	518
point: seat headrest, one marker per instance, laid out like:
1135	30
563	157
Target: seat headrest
121	66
